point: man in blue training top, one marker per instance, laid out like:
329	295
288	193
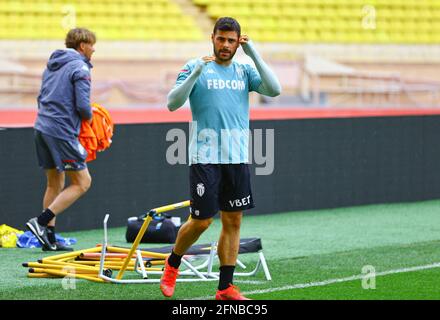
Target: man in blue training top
218	89
63	102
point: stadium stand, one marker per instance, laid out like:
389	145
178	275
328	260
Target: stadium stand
325	21
112	20
334	21
382	52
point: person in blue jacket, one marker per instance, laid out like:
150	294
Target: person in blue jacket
218	91
63	102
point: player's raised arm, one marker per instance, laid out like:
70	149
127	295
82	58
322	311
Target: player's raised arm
185	83
270	86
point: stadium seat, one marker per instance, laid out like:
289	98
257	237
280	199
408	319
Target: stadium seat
110	19
341	21
330	21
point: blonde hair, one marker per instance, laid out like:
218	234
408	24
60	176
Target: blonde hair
79	35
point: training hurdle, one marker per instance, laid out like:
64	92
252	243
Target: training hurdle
206	253
98	263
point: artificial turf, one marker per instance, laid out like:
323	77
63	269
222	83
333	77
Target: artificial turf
300	247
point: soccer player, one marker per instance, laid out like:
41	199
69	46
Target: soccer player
63	102
218	89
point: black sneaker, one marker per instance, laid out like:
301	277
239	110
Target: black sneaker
40	232
58	247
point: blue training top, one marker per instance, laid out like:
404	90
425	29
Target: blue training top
219	104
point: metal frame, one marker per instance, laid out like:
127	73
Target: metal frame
200	272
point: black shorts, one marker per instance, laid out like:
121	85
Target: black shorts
64	155
214	187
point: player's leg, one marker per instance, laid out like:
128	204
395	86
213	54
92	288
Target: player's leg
58	155
204	186
204	183
54	186
228	247
189	233
229	241
80	182
235	196
45	156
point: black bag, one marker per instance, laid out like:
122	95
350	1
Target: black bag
160	230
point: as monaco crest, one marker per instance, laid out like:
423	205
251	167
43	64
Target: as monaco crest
200	189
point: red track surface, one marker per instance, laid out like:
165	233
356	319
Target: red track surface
25	118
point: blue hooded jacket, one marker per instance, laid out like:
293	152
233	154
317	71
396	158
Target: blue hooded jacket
64	98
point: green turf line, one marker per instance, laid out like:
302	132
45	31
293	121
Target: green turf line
417	285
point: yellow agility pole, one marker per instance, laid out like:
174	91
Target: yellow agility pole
145	254
170	207
64	274
67	259
145	227
156	262
86	262
66	270
93	255
78	269
41	275
134	246
72	254
97	259
117	263
153	269
118	267
64	264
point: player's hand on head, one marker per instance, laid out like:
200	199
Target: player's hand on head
202	62
244	39
244	42
208	59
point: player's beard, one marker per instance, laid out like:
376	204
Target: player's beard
217	54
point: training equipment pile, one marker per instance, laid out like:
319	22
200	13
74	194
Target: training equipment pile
98	264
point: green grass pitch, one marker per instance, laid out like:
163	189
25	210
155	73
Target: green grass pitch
311	255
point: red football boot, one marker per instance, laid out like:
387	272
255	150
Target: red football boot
168	280
230	293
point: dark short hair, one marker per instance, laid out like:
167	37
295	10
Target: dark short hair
227	24
78	35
